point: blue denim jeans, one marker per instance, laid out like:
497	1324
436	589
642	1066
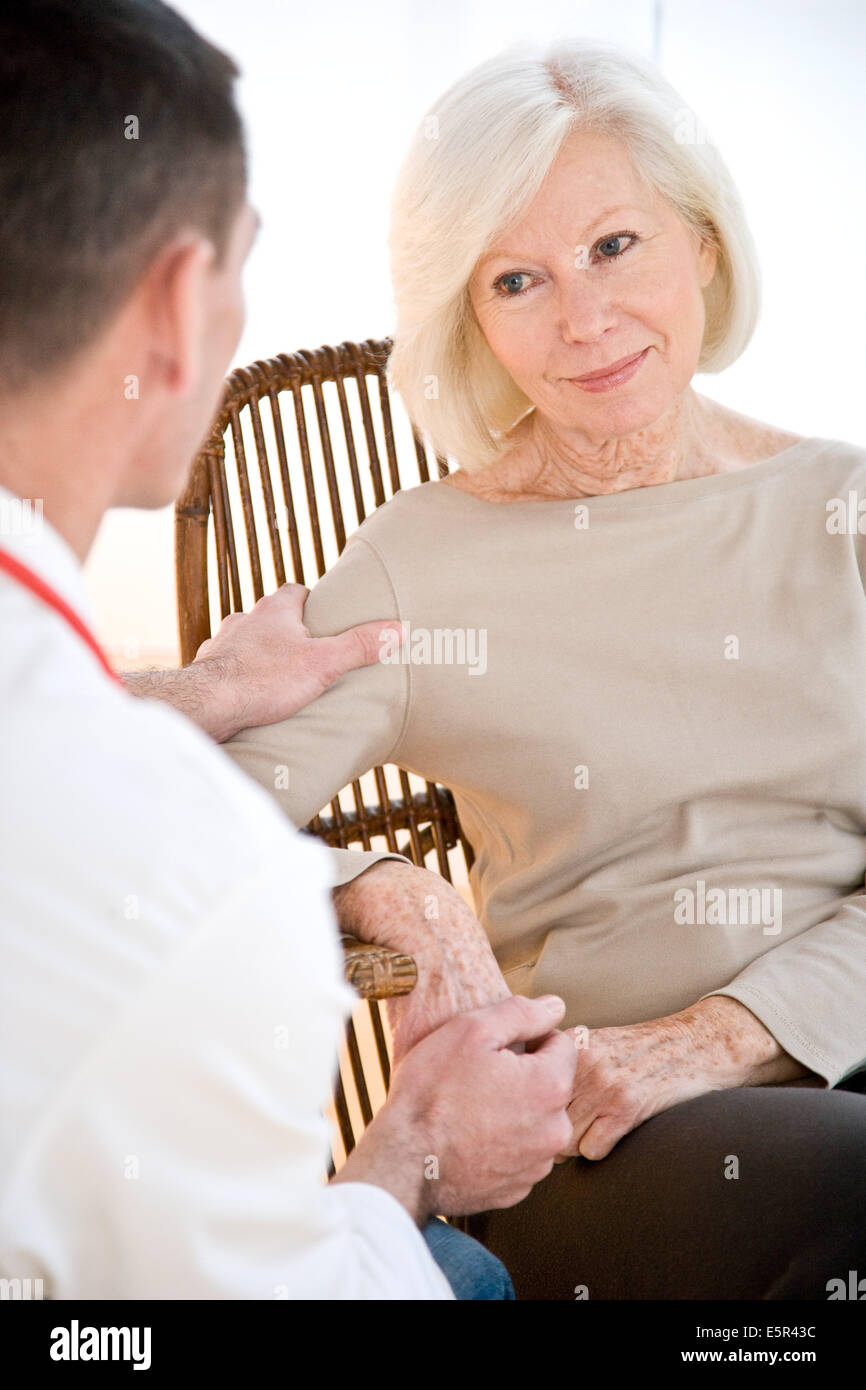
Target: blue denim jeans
472	1271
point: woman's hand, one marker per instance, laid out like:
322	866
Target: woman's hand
625	1075
417	911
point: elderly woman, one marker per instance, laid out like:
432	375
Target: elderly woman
636	652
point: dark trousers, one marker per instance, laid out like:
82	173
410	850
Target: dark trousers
664	1217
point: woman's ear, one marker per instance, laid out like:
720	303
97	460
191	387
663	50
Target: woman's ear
707	260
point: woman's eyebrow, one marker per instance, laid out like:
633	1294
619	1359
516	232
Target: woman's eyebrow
608	212
496	254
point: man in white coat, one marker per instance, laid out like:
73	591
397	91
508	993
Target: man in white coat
171	999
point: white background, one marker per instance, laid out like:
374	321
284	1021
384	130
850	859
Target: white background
331	93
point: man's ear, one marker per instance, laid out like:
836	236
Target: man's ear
179	284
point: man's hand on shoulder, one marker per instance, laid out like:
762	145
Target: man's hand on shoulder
263	666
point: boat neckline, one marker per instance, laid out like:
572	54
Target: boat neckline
664	494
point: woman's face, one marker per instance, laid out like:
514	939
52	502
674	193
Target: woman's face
600	269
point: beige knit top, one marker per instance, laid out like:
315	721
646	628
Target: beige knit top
651	709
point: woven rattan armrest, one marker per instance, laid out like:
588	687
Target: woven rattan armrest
377	972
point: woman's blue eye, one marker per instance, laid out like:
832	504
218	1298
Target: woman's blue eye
510	284
613	241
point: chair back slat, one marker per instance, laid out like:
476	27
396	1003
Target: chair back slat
227	557
369	434
288	499
358	1075
267	493
381	1043
328	457
247	504
309	483
351	452
388	429
421	459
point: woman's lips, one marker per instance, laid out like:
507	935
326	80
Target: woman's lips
614	376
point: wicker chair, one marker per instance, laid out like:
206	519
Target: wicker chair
234	528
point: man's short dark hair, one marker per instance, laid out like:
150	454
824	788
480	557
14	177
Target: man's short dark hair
118	127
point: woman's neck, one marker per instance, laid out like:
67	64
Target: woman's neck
547	461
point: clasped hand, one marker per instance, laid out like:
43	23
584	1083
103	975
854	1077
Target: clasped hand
623	1075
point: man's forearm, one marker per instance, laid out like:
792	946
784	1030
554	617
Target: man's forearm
206	692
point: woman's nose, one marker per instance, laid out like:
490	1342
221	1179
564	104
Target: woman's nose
585	307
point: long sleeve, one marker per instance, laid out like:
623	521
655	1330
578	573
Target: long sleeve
811	993
304	761
185	1156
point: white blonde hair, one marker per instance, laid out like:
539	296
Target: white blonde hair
474	166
